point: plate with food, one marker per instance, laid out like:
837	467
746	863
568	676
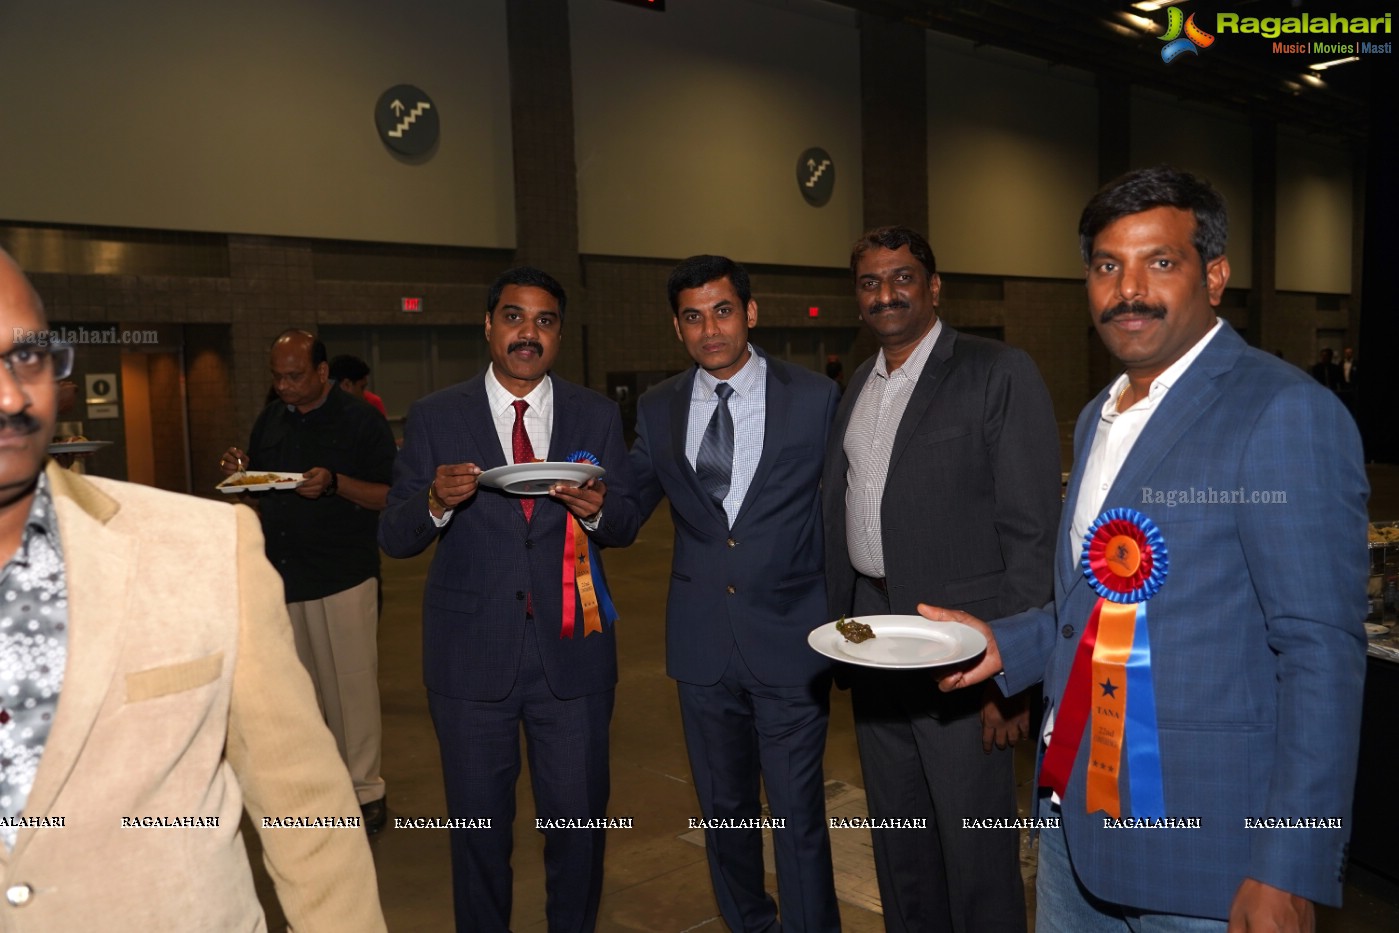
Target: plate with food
76	445
1375	630
253	481
897	642
536	479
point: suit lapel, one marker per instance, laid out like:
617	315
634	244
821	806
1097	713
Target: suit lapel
778	403
1192	395
565	420
941	361
479	422
679	411
99	565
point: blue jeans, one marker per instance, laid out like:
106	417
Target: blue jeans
1064	905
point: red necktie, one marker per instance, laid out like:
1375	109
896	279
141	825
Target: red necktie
521	449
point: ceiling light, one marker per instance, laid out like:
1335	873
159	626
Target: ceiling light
1313	80
1151	6
1141	22
1322	66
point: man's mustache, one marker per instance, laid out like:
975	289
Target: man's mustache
1134	309
21	422
521	344
881	306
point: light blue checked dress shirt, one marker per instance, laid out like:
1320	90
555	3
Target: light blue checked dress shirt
748	406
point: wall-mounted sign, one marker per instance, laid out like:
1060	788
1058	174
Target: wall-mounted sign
410	305
407	120
816	176
102	396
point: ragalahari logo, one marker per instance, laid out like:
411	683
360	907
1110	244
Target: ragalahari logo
1194	37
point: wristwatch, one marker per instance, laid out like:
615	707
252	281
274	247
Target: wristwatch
331	486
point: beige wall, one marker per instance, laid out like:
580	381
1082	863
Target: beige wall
1314	215
255	117
689	125
1012	158
1213	144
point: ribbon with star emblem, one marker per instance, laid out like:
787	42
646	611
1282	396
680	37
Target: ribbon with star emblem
583	582
1125	561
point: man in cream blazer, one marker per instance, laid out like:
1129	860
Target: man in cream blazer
181	704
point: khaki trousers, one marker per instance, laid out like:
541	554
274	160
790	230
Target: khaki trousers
337	642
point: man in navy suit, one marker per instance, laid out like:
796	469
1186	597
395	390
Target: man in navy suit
505	641
735	443
1214	539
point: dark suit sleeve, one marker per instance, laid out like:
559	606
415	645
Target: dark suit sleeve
1307	562
643	468
1022	441
405	525
619	523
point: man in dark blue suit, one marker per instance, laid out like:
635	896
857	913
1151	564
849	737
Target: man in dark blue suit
506	641
736	443
1213	540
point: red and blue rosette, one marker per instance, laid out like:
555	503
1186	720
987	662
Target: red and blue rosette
1125	561
583	581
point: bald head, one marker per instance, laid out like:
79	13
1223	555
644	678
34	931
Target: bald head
15	289
300	373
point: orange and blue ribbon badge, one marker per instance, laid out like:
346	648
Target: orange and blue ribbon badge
583	582
1125	561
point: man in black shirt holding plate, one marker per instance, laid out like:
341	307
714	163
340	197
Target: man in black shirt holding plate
321	537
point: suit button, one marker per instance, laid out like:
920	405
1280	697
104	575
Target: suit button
733	543
730	590
529	544
519	594
19	894
1067	631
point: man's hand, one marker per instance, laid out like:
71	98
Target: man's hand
583	501
313	486
1262	908
984	669
1004	720
232	461
453	484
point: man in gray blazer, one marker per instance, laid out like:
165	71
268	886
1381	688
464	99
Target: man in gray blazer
745	590
941	476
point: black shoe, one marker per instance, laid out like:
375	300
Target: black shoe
376	814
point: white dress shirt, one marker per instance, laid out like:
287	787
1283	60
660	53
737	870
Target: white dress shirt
869	442
748	406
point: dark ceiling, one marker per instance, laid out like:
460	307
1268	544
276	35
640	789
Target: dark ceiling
1237	72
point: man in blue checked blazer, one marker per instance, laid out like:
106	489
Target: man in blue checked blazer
1246	478
736	444
499	648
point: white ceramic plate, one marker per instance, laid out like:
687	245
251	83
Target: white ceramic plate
535	479
284	481
77	447
901	642
1375	630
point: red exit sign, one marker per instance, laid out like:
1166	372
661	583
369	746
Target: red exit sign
657	5
410	305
